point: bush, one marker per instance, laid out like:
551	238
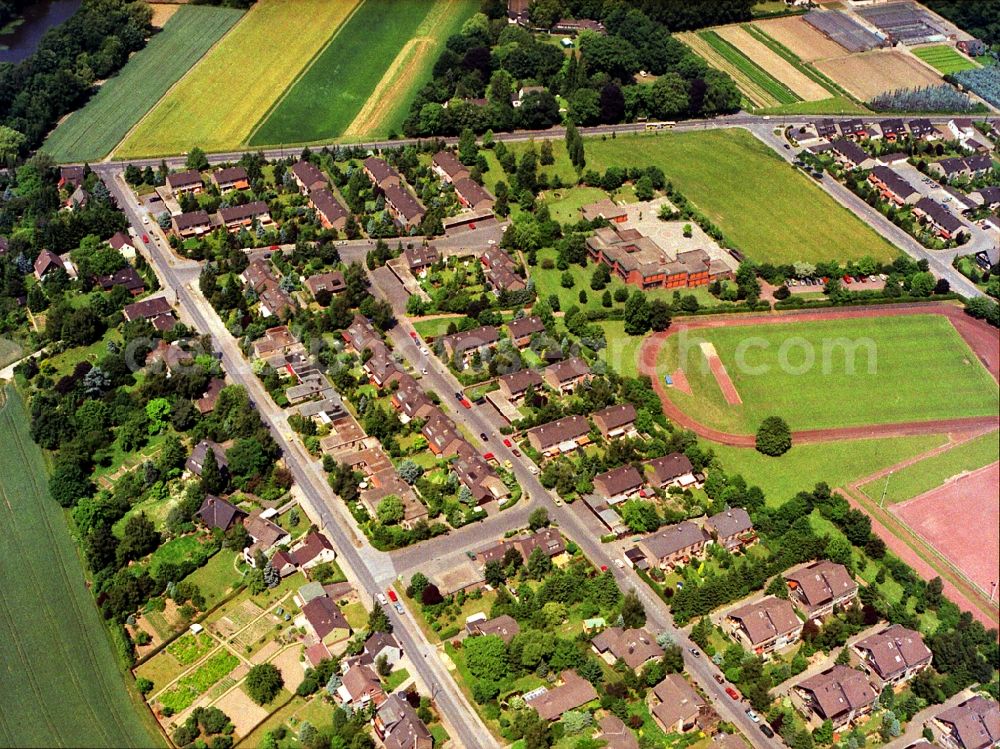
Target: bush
774	437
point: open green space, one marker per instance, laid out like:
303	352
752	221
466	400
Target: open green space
837	463
770	211
217	578
217	104
63	685
759	76
10	352
931	472
435	327
189	687
833	373
944	58
92	132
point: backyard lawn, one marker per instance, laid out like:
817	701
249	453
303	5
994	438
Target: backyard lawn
833	373
217	578
92	132
217	104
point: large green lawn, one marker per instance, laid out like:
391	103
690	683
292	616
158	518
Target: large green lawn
328	96
61	684
944	59
772	212
934	471
907	368
90	133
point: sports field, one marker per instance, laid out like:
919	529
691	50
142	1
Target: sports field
61	684
863	371
944	59
217	104
743	187
362	82
92	132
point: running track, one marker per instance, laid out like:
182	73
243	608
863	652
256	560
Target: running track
981	338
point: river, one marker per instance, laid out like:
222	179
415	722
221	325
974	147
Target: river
22	39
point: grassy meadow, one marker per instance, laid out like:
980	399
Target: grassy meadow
912	368
62	683
217	104
92	132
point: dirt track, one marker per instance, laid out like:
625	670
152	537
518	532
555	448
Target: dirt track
982	339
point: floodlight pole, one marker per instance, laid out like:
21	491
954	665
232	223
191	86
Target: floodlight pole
885	488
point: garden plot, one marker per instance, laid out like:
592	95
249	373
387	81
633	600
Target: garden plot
779	68
869	74
237	619
800	38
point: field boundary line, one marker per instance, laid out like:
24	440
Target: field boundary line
175	84
305	69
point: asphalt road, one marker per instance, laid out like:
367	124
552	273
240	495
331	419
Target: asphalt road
368	569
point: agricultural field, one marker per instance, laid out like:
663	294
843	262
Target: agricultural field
63	684
869	74
361	84
738	182
10	352
800	38
217	104
92	132
933	471
864	371
753	48
944	59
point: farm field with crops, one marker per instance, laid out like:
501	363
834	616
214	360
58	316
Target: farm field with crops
944	59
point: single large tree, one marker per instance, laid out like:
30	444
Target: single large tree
263	683
774	437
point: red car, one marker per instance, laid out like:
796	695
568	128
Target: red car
604	568
145	238
506	443
275	247
732	693
489	456
465	403
413	334
392	595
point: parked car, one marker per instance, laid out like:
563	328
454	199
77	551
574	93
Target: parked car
506	442
619	564
489	456
399	607
718	677
695	652
483	437
413	334
458	395
382	599
533	469
516	452
752	715
733	693
465	403
766	730
392	595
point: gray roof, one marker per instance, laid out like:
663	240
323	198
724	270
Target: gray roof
673	538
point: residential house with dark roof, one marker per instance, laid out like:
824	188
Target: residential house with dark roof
677	705
46	262
378	645
231	178
397	725
732	528
674	469
124	244
943	222
326	620
196	460
475	473
839	694
635	647
441	435
892	129
329	211
190	224
189	182
313	550
818	587
616	421
361	334
618	484
503	278
504	626
895	655
892	186
243	216
71	176
561	436
126	277
973	724
410	400
851	155
473	195
615	734
951	168
674	544
206	403
576	25
276	340
463	345
403	206
565	375
264	533
217	513
380	173
573	692
514	385
447	166
331	282
421	257
766	625
521	329
360	686
308	176
923	129
157	310
382	369
548	540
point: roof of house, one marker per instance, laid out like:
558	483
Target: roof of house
362	333
673	538
244	212
893	181
265	533
475	473
324	616
572	693
147	308
561	430
120	239
440	431
729	522
548	540
46	261
206	403
230	174
190	220
421	255
522	327
504	626
568	369
767	619
616	733
360	679
822	581
308	173
502	277
679	702
127	277
379	641
670	467
979	163
401	725
619	480
471	191
466	340
449	164
894	650
606	209
939	214
840	690
324	201
200	452
634	646
519	381
976	722
184	179
404	202
215	512
332	281
379	168
850	151
614	417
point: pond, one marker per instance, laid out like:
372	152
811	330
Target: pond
21	37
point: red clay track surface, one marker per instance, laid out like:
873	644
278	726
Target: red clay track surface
726	385
961	519
981	338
